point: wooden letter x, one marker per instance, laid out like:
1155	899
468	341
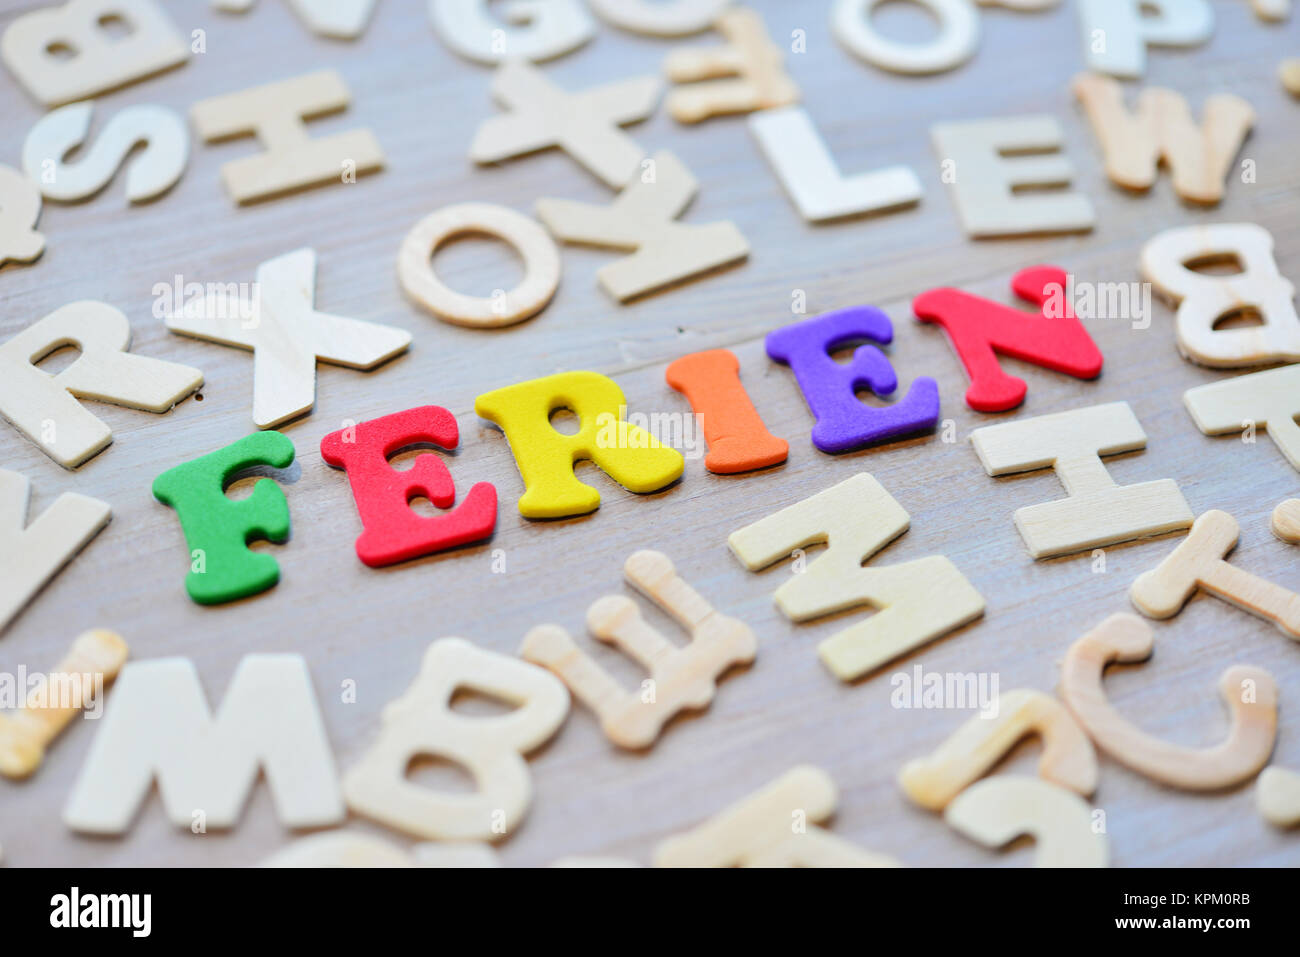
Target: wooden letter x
642	218
585	125
1097	511
918	600
679	677
30	556
287	336
1199	561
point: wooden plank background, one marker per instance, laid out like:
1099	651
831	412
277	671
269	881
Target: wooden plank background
351	622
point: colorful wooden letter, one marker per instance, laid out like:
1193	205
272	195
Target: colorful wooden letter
1199	562
1096	512
218	529
916	601
422	722
844	421
44	407
159	725
393	531
643	218
293	160
287	334
680	677
627	453
980	328
762	830
30	555
1204	301
738	439
1162	129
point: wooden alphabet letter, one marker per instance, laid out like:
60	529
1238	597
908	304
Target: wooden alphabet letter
916	601
30	555
680	677
1204	301
158	725
61	54
274	113
643	218
422	722
1250	694
774	827
44	407
1096	512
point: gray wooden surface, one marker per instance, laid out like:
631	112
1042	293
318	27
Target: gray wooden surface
372	626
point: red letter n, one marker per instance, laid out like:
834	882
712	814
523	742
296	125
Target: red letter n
979	328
